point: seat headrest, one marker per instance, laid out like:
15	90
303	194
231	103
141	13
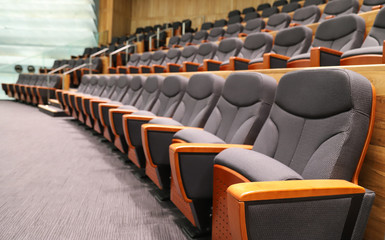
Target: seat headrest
189	51
201	86
292	36
339	27
152	83
123	81
229	44
174	84
247	88
322	93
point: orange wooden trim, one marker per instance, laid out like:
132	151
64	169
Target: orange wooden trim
111	112
362	60
118	143
256	66
141	67
329	17
377	7
120	67
241	35
256	191
315	55
383	52
301	63
223	178
92	109
160	128
176	148
177	141
266	30
368	137
179	202
139	117
237	218
158	66
105	105
294	24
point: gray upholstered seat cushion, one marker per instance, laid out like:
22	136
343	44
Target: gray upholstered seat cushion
197	136
165	121
300	56
144	113
128	107
255	166
361	51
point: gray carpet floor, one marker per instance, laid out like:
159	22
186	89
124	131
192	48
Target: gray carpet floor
58	181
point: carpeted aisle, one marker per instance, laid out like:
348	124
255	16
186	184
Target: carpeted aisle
58	181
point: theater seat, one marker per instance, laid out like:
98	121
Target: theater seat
310	134
145	100
369	5
306	15
251	15
267	12
185	39
40	82
233	30
88	90
27	89
187	55
131	99
63	95
263	6
248	10
288	42
339	8
172	57
47	89
278	22
215	34
171	93
157	58
236	120
372	50
332	38
202	94
96	67
145	60
253	26
205	51
291	7
313	2
235	19
133	61
174	40
199	37
254	47
227	48
220	23
123	83
207	26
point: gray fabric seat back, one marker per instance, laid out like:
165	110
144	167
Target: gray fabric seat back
339	8
293	41
102	83
251	15
86	79
205	51
313	2
306	15
376	35
110	86
243	107
256	45
269	12
215	33
158	57
173	41
150	93
199	37
220	23
227	48
134	91
134	60
368	4
79	62
122	84
171	93
96	64
342	33
92	85
186	38
54	81
202	94
145	59
278	21
188	54
317	113
254	25
234	19
172	56
233	30
43	78
207	26
291	7
33	80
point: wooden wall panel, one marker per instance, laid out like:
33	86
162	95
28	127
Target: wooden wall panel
151	12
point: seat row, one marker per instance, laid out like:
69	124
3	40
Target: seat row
336	42
199	136
34	88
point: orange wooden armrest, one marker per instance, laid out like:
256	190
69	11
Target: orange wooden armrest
315	55
212	61
221	38
121	67
190	44
164	128
124	111
155	66
204	41
266	30
204	147
176	46
138	117
267	59
98	101
239	59
46	88
185	64
254	191
109	105
174	64
207	62
326	50
329	17
377	7
294	24
241	35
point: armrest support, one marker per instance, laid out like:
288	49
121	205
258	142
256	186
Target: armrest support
190	66
173	67
237	63
195	185
238	194
273	60
144	69
211	65
132	69
323	56
158	68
